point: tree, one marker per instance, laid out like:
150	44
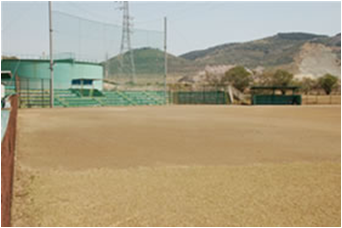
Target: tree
238	77
264	79
307	84
282	78
327	82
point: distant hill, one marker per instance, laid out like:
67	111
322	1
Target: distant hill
300	53
271	51
151	61
334	41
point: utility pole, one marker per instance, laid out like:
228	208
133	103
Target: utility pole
2	32
126	43
51	57
165	56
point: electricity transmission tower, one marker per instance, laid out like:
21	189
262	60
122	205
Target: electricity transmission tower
126	52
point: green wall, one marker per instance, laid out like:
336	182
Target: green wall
64	71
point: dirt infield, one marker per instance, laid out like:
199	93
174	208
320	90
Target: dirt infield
7	162
179	166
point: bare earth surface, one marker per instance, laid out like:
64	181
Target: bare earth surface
179	166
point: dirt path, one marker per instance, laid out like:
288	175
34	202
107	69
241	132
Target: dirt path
179	165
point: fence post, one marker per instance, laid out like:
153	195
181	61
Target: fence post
28	92
42	91
316	97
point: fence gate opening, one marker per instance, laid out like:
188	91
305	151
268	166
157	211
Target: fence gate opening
33	93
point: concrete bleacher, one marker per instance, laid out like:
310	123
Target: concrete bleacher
68	98
74	98
141	97
125	98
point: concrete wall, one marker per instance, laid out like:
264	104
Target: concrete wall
64	71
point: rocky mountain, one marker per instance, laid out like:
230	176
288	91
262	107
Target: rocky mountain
301	53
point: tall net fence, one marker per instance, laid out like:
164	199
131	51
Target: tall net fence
127	65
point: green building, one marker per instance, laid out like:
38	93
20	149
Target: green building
64	71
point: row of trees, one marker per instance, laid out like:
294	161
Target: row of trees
240	78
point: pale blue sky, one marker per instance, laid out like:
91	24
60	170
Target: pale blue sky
191	25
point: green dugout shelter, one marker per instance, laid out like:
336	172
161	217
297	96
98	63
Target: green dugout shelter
275	95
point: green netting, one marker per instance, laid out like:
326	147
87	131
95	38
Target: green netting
92	41
200	97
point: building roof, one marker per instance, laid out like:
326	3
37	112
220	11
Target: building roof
55	61
274	87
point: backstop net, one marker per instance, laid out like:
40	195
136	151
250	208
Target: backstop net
131	60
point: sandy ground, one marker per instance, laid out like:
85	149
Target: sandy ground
179	166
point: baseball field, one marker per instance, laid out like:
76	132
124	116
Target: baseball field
178	166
